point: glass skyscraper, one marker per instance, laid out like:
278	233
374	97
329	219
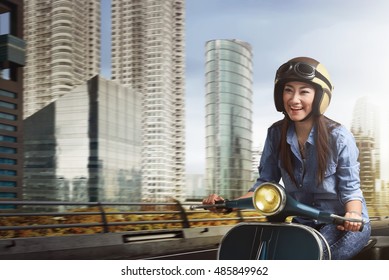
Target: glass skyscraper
85	146
228	117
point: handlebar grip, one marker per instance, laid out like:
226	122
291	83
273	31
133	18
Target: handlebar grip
223	204
206	206
220	204
338	220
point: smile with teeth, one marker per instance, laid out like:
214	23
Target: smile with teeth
296	108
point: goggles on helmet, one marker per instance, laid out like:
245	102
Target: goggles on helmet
302	70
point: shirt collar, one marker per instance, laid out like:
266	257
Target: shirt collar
291	136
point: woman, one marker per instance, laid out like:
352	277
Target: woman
316	157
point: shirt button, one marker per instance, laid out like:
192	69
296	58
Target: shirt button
300	185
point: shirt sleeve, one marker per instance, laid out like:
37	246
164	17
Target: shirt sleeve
348	168
268	166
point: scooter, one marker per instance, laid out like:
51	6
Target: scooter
275	240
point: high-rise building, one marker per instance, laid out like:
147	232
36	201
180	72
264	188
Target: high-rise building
12	60
85	146
366	122
367	171
63	48
256	155
148	55
366	129
228	110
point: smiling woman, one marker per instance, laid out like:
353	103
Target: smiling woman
316	157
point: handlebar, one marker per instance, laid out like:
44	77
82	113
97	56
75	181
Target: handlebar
222	204
322	216
270	199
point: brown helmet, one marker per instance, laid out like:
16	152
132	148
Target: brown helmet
307	70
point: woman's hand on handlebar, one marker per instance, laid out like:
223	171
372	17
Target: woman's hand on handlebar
348	225
213	199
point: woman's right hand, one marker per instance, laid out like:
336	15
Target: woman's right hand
213	199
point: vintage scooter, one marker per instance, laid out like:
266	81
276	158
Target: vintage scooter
275	240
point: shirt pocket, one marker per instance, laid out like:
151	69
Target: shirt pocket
329	183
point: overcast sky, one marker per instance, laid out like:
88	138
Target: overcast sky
350	37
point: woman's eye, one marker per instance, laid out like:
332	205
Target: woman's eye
305	92
287	90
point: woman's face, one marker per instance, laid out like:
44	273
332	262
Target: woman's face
298	99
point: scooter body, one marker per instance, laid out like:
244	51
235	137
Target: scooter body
272	241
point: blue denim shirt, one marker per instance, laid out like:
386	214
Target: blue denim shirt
341	183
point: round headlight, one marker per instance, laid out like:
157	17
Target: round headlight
269	199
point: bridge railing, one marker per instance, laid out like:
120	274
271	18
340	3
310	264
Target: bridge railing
104	217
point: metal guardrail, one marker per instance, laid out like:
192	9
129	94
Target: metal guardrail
181	210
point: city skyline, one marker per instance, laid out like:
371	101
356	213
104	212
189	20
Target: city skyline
147	55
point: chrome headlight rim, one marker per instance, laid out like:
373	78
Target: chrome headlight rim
280	192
